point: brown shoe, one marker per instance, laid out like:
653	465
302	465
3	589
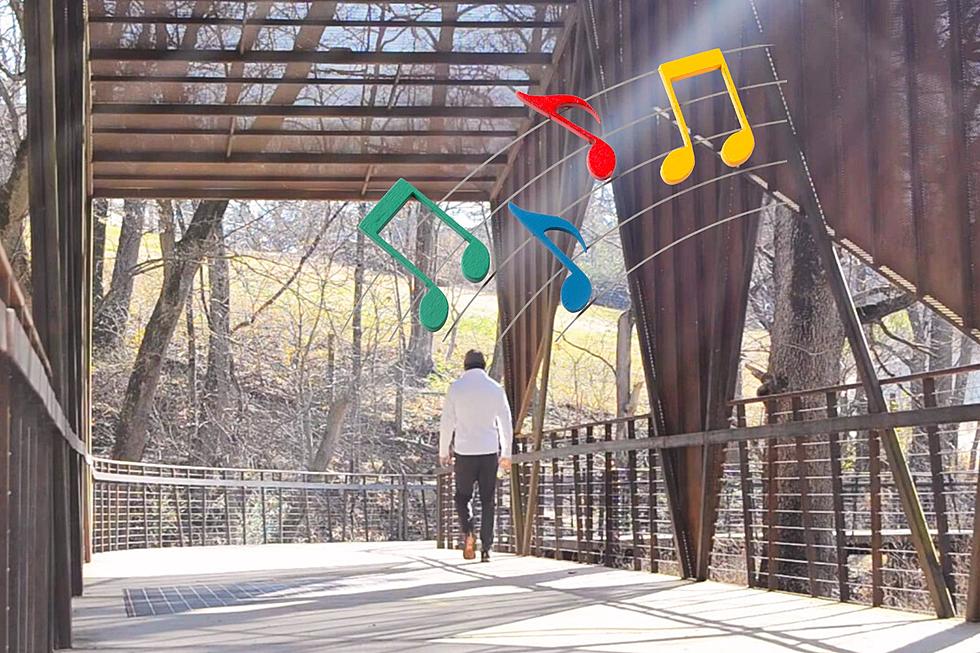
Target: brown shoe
469	547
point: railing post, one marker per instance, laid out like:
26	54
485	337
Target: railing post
204	516
180	521
804	485
937	484
589	439
634	498
306	515
367	519
227	511
265	525
874	466
146	519
329	502
770	502
425	512
653	500
973	588
282	526
577	499
404	509
608	492
840	538
556	498
241	476
440	512
745	486
129	517
160	516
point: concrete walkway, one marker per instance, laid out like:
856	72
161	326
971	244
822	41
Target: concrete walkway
413	597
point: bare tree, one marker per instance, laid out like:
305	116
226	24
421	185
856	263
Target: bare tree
113	312
13	214
130	434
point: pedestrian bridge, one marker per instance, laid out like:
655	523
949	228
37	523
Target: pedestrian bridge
395	596
822	509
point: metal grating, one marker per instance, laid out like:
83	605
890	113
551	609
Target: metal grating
177	599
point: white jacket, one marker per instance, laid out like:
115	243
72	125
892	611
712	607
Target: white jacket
477	411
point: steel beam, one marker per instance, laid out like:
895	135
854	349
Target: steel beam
130	19
308	111
334	56
324	158
352	194
309	81
139	132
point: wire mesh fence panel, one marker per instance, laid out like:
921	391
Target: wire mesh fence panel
147	506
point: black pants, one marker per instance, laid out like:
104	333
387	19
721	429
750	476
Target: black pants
481	470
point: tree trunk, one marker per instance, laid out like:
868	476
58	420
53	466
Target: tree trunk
13	215
624	360
131	431
113	314
357	343
331	435
217	380
168	234
100	213
419	356
807	339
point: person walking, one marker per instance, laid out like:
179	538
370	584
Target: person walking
477	422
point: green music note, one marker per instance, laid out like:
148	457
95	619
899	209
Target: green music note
434	307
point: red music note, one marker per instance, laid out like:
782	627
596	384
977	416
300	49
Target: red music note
602	158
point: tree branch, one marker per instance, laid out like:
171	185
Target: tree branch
299	268
876	312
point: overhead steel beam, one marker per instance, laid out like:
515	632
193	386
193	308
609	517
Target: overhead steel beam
325	158
307	133
310	81
283	179
354	193
308	111
303	22
335	56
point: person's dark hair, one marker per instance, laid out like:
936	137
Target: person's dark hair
474	360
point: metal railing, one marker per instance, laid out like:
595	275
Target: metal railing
141	505
41	459
816	499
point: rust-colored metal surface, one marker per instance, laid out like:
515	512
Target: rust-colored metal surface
886	99
884	103
690	301
322	100
561	191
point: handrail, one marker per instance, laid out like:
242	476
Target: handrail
250	470
947	371
177	481
13	297
602	422
869	422
15	345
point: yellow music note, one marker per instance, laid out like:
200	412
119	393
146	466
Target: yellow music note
737	148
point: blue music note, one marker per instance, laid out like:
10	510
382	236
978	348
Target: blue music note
576	289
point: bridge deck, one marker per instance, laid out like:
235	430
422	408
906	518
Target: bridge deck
413	597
